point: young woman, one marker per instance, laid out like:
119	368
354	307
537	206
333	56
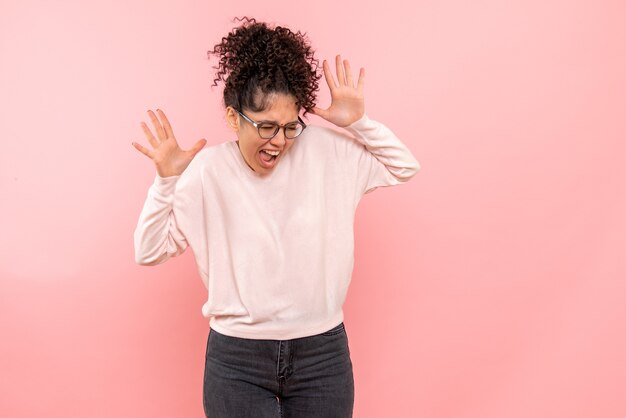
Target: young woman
270	218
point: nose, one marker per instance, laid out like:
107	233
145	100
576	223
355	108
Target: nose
279	139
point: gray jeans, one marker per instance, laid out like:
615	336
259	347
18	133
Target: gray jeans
308	377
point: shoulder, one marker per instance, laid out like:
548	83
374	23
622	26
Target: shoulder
208	155
334	144
204	160
321	131
335	138
212	151
319	135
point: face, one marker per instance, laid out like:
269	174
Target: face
282	109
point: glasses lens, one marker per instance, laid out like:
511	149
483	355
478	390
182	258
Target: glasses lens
292	130
267	130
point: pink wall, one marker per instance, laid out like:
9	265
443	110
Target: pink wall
487	287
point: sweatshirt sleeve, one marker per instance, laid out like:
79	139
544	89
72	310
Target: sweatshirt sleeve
378	156
157	236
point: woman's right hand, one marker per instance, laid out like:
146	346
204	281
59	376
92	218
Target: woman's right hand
168	158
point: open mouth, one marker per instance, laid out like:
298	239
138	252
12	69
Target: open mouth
268	158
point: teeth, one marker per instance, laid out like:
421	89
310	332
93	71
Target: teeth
271	152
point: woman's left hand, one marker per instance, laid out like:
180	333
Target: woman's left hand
347	101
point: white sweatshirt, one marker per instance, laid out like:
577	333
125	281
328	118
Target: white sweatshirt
275	251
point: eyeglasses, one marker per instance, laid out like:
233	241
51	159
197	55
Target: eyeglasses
268	130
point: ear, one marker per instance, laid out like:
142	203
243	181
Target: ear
232	119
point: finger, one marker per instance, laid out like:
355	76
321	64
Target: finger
198	146
166	124
329	77
361	79
348	74
142	149
151	139
320	112
341	77
157	125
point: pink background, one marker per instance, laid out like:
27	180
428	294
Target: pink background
489	286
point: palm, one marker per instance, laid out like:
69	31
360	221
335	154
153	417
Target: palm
168	157
347	101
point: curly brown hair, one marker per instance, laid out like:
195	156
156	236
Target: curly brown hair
256	61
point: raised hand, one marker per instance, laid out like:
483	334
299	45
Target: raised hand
348	103
168	158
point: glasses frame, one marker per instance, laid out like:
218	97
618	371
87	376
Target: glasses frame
257	126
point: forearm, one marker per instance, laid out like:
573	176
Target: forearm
156	236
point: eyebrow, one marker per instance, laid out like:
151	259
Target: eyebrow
273	121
